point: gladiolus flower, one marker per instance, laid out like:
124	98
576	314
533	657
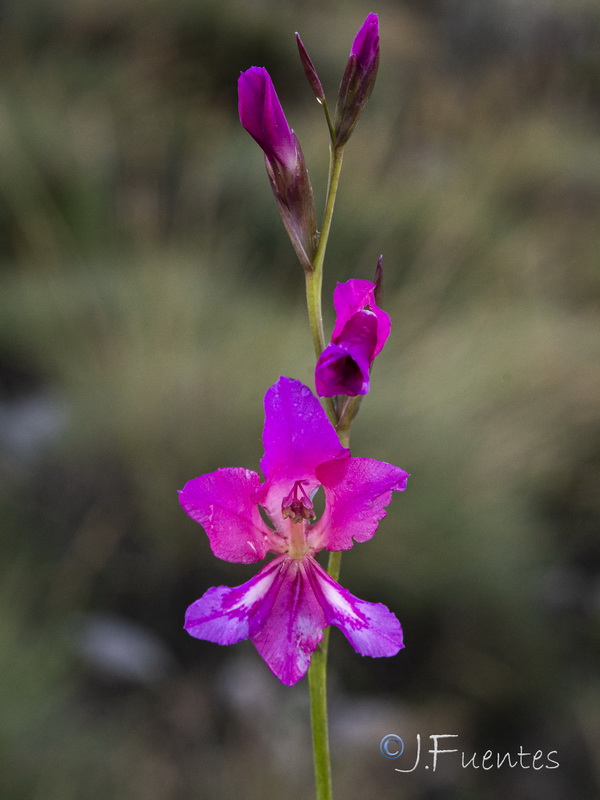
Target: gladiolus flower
285	607
360	332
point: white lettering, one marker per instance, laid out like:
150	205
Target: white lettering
436	750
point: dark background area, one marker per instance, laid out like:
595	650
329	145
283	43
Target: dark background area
149	297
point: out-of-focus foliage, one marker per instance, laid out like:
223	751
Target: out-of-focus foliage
149	297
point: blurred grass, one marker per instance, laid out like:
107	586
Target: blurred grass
149	291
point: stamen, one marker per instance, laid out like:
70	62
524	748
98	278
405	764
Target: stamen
297	508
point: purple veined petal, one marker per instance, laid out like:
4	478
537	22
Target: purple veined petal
294	626
371	628
351	297
357	490
297	437
228	615
366	43
262	115
224	503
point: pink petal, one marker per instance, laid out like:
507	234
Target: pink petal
294	626
297	437
284	609
371	628
351	297
226	616
357	490
224	503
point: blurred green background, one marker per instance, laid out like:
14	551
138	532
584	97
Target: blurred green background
149	296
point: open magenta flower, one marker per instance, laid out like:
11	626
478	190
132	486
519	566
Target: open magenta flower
360	332
359	78
263	117
285	607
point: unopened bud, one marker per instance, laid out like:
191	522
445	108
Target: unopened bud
358	80
263	117
310	71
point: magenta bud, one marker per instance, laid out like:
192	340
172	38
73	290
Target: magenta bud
366	44
309	70
358	80
262	115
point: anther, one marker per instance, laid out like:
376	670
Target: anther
297	507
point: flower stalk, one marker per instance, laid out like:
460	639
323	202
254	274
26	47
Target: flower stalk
317	685
314	275
287	608
317	672
341	417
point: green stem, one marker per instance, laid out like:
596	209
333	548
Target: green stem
317	684
317	673
328	118
314	276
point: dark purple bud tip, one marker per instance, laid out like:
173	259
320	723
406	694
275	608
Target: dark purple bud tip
378	280
309	70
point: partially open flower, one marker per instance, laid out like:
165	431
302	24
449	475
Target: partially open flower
360	332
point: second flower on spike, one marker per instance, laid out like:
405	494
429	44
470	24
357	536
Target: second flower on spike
360	332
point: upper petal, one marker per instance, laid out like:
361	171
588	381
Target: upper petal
371	628
357	490
224	503
294	626
297	435
353	296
